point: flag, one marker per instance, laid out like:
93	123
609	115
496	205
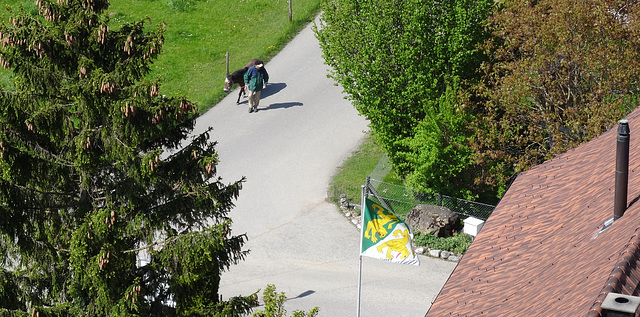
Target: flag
385	236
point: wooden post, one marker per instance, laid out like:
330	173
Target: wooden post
290	12
227	58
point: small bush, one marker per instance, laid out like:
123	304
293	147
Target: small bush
274	305
458	243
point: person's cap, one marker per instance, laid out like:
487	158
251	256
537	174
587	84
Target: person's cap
259	65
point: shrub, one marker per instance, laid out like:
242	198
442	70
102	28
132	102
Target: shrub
458	243
274	305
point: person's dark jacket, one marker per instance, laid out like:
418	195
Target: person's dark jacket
256	78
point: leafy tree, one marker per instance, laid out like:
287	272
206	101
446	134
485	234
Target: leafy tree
95	168
403	63
561	73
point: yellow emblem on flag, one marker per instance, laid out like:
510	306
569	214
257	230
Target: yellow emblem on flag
385	236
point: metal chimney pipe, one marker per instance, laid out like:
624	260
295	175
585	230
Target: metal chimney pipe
622	169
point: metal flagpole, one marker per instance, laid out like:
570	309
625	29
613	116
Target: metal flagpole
363	205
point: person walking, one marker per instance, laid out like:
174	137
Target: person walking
256	79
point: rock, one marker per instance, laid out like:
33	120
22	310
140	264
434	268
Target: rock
434	253
445	254
343	201
437	220
453	258
419	250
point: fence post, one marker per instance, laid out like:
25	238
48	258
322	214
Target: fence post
439	199
290	11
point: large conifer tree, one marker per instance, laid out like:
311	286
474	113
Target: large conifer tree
95	168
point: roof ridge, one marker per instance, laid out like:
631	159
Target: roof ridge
619	274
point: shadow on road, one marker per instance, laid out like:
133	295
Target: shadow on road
282	105
303	294
272	89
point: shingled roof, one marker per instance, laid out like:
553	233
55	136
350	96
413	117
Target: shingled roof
540	253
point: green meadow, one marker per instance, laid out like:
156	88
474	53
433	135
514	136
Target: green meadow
200	32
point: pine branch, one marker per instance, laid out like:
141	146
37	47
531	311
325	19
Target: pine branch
37	191
44	153
148	246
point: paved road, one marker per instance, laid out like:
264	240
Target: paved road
288	151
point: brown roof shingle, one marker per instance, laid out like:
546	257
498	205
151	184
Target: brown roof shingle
540	253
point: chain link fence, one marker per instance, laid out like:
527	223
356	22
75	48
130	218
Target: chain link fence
402	199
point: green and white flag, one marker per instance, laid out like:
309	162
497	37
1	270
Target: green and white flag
385	236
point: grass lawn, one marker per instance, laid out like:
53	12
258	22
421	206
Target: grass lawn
354	171
200	32
352	174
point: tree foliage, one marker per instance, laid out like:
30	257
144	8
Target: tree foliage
96	168
402	63
561	73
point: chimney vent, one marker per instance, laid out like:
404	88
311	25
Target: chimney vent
622	169
620	305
